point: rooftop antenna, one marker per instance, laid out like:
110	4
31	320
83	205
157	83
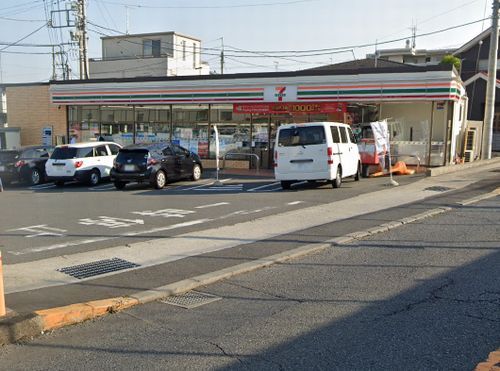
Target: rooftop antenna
127	19
413	34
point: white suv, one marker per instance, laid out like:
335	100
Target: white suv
84	162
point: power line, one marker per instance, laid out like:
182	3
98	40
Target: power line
210	6
23	38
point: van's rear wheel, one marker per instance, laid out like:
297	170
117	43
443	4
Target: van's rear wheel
337	182
285	184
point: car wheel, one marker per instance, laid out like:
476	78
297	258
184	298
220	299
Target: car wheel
119	185
357	176
365	171
160	179
94	177
286	184
59	183
35	177
196	172
337	182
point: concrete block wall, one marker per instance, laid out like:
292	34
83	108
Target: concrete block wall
29	108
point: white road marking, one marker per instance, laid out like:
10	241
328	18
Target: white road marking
245	212
99	239
230	187
42	186
165	213
261	187
40	230
104	187
204	185
295	202
212	205
272	190
111	222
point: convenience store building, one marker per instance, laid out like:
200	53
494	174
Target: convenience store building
425	108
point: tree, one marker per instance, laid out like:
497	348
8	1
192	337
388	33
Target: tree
451	60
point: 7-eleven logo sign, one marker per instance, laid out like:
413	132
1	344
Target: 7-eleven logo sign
280	93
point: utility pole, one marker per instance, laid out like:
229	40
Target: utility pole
222	57
54	76
489	109
81	37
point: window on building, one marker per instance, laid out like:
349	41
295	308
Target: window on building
151	48
183	50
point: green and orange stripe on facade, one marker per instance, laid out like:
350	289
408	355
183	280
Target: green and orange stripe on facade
377	92
160	96
319	93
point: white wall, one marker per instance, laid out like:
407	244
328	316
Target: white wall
128	68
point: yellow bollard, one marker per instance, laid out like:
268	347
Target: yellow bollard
2	297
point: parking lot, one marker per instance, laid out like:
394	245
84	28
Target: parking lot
45	221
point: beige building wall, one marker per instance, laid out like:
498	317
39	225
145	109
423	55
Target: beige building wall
29	108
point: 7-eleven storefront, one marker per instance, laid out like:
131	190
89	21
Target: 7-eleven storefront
425	109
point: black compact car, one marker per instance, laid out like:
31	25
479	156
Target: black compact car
154	163
26	164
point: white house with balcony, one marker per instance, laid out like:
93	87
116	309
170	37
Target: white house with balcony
151	54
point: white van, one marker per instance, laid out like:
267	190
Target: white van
83	162
315	151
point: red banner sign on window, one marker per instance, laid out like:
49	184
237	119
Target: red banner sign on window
288	107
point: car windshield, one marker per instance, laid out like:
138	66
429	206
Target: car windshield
66	153
301	136
8	156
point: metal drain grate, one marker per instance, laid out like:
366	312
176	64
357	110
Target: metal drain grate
438	189
97	268
191	299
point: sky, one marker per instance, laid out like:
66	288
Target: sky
260	26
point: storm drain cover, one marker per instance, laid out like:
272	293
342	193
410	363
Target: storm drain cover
438	189
191	299
97	268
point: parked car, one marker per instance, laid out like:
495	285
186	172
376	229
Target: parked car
84	162
316	151
26	164
156	164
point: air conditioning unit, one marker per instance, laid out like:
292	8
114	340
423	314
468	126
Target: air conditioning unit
470	145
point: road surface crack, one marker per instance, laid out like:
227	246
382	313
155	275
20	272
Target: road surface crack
432	297
226	353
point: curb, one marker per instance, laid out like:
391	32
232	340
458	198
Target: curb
15	327
491	364
454	168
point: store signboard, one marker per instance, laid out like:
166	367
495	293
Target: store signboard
47	136
289	107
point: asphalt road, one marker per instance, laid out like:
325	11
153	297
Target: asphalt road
422	296
45	221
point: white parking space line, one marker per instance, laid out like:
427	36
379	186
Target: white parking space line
100	239
226	188
272	190
42	186
262	187
104	187
204	185
295	202
212	205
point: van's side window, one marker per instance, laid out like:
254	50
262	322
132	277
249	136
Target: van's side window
351	136
343	134
335	134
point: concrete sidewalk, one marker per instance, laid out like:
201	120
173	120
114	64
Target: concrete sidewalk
17	327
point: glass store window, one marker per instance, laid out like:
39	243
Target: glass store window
83	123
117	124
152	124
190	127
234	130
